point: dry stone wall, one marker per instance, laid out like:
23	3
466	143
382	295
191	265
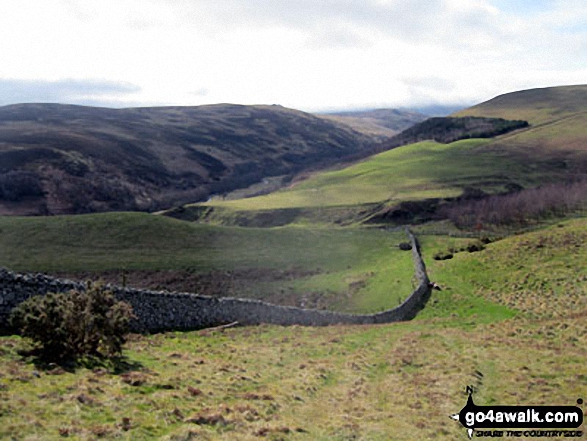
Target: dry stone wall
158	311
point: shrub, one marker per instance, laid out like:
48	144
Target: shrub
19	184
74	324
475	247
442	255
405	246
486	240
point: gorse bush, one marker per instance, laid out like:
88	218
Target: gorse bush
75	324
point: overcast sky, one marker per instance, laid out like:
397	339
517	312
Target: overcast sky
307	54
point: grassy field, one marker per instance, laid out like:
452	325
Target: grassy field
398	381
347	269
549	153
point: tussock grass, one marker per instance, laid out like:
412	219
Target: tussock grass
397	381
372	383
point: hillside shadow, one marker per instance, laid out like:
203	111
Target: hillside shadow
54	366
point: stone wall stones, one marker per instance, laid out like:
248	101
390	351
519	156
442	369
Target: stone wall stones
164	311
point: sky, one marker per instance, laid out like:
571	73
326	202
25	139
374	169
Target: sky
312	55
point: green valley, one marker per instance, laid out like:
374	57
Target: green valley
508	317
551	150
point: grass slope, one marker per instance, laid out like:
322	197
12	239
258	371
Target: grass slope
553	149
398	381
537	106
542	273
347	269
423	170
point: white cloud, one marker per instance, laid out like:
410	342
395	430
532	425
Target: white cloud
72	91
307	54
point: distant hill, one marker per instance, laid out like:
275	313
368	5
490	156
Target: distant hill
381	123
437	110
537	106
557	138
552	149
72	159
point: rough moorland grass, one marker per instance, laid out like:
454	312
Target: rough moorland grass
543	273
370	383
398	381
355	269
537	274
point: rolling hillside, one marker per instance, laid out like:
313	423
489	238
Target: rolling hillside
73	159
553	149
381	123
509	318
537	106
558	136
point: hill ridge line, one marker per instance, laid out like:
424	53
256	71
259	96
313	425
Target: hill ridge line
546	123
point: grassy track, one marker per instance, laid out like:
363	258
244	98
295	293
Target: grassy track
398	381
371	383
